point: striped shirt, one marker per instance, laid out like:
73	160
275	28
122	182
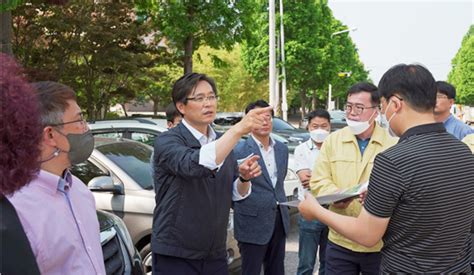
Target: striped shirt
425	185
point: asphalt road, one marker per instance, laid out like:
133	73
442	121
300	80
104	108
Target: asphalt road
291	255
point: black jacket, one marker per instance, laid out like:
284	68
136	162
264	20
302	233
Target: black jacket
16	256
192	202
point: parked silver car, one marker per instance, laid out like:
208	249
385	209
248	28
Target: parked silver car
145	130
119	175
120	254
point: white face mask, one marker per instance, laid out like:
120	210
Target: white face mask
319	135
358	127
386	123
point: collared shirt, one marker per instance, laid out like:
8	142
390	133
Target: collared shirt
424	184
457	128
207	155
305	155
469	140
341	165
59	218
268	156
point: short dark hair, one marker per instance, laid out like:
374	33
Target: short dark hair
319	113
368	88
172	112
446	88
53	97
257	104
186	84
413	82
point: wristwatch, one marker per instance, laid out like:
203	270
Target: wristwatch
243	180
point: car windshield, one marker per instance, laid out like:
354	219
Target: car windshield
281	125
133	158
337	115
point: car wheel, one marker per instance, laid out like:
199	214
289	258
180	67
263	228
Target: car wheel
145	253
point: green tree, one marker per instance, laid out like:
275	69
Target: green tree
189	24
462	72
156	84
97	48
313	57
236	87
6	7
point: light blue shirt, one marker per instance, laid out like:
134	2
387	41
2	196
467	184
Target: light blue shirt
457	128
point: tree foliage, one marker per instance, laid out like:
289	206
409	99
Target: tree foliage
189	24
236	87
462	72
96	47
313	57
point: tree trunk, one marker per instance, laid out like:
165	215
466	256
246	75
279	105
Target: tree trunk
303	103
155	107
6	32
124	109
90	104
188	54
314	101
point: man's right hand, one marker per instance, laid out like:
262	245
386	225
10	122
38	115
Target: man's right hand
305	176
254	119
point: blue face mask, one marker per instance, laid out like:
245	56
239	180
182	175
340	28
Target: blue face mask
386	123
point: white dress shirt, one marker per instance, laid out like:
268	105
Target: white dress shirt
269	159
305	155
207	155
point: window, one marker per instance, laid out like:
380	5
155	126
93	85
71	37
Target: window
133	158
109	135
86	171
281	125
146	138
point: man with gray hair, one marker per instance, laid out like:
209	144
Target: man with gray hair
56	209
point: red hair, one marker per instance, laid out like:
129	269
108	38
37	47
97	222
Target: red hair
20	128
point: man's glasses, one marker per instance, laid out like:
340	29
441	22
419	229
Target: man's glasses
82	121
201	99
441	96
358	109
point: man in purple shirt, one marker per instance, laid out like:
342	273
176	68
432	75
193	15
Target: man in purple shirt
56	209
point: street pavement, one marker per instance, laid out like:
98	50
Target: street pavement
291	255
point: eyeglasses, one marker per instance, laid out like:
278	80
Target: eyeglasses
201	99
441	96
82	121
358	109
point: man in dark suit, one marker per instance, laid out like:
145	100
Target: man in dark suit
196	179
260	222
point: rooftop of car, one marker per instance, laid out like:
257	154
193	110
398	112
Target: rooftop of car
127	123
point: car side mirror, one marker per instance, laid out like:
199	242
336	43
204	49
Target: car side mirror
105	184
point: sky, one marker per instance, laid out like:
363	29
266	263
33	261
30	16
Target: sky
393	32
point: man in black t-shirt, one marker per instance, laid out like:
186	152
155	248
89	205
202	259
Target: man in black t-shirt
420	195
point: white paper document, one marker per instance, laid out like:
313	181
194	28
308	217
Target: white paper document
239	161
345	194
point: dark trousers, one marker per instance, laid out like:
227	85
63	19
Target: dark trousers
312	235
164	265
340	260
271	255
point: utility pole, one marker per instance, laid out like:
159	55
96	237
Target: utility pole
284	104
272	57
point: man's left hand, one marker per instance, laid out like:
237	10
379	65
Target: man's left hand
250	168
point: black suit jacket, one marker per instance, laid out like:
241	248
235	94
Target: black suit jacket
192	202
16	256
